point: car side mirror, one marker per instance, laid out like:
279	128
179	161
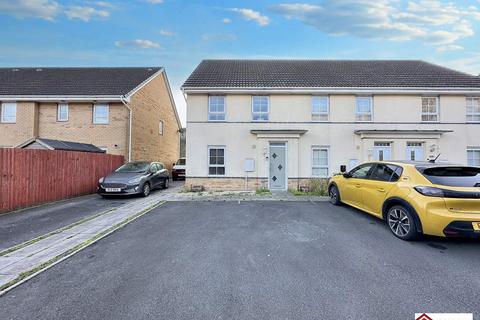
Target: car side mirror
343	168
347	175
173	164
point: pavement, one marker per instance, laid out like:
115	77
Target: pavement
254	260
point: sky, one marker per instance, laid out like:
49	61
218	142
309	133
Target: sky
178	34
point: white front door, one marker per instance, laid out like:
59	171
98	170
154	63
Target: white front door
382	151
414	151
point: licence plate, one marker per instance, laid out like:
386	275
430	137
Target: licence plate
476	226
113	189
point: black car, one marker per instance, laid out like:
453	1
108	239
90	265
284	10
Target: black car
134	178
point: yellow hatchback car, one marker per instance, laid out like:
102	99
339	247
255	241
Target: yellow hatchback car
414	198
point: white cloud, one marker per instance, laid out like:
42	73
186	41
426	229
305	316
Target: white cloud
138	43
431	21
226	20
85	13
104	4
249	14
167	33
154	1
219	37
450	47
50	10
42	9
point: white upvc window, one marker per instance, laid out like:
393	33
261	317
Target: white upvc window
62	112
473	109
160	128
8	112
100	113
430	110
320	162
216	160
473	156
320	108
216	108
260	108
364	109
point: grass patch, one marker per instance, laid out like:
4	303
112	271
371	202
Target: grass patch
314	187
262	191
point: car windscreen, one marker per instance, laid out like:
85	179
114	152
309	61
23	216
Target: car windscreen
181	162
453	176
134	167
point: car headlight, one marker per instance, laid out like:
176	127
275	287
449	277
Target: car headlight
135	180
101	180
430	191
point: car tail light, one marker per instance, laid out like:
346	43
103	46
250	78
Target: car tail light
445	193
430	191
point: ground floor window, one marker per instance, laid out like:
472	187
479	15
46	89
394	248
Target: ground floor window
320	162
473	157
216	160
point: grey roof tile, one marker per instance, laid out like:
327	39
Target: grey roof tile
326	73
72	81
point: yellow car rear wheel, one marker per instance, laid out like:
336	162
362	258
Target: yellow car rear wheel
402	223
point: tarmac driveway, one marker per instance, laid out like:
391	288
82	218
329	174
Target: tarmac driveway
254	260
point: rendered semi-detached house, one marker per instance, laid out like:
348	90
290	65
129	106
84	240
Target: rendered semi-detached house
282	122
125	111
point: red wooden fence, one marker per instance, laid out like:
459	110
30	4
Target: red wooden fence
30	177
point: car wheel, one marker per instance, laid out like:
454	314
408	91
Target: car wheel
166	183
401	223
334	195
146	189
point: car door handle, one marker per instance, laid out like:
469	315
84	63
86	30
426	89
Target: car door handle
381	190
358	185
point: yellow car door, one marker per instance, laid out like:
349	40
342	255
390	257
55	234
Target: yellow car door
350	188
375	189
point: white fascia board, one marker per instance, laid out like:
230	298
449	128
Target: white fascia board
60	98
336	90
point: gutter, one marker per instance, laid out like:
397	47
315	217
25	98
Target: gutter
126	104
59	98
333	90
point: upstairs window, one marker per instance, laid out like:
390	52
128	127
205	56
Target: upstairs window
429	109
160	128
216	108
364	109
320	162
100	113
260	108
62	112
473	109
8	112
320	108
